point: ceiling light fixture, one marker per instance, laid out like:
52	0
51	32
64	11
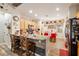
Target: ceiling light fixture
30	11
57	9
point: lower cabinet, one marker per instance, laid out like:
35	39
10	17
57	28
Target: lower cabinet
22	46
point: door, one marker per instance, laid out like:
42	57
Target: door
1	28
4	35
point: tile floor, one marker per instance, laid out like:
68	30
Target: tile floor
5	51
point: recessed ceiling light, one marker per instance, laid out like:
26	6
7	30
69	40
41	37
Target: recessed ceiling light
30	11
57	9
36	15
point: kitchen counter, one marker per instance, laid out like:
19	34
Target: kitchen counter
41	44
39	40
40	47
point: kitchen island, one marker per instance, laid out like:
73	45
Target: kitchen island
30	46
40	45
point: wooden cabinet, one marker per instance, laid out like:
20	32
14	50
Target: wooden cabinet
22	46
15	43
78	48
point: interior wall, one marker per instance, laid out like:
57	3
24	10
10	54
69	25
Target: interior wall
4	35
22	25
77	12
25	22
2	27
15	25
7	39
72	10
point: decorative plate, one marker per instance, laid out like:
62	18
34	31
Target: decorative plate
15	18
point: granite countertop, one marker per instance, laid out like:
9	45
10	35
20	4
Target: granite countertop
39	43
40	47
38	39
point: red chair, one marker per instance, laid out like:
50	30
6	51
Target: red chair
45	34
53	37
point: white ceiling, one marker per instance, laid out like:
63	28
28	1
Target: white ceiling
42	9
